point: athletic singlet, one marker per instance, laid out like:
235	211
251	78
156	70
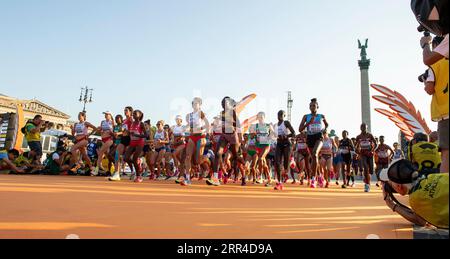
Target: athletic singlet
196	123
106	126
398	154
136	128
383	152
127	124
316	126
282	130
178	131
365	144
159	135
118	129
344	146
262	135
327	147
229	122
302	146
80	129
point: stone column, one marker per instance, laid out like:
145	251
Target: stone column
364	65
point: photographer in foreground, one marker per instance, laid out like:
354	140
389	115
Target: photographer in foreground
428	194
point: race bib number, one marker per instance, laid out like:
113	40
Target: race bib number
383	154
315	128
301	146
343	151
263	140
365	144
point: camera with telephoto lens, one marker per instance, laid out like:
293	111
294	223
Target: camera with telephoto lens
423	77
426	33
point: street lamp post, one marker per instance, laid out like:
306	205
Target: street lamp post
84	97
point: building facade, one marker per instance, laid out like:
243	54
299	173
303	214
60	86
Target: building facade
57	119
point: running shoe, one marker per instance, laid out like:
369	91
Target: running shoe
177	181
268	185
115	177
145	174
185	183
225	180
378	185
301	182
344	186
326	185
353	185
294	182
75	168
278	187
243	183
313	184
286	178
94	172
138	179
258	181
337	183
320	181
332	175
366	187
214	182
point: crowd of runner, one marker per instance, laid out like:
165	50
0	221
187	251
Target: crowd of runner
219	152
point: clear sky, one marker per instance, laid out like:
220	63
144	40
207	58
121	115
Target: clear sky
157	55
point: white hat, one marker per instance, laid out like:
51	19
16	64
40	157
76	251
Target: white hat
107	112
400	171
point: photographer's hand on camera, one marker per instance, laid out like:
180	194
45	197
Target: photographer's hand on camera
387	198
425	41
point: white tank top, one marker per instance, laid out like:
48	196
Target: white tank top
178	131
196	122
282	130
80	129
106	126
159	135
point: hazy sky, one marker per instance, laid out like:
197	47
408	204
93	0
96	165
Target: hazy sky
157	55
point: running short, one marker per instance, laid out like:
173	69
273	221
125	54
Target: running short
79	139
326	156
260	150
367	161
337	160
196	138
137	143
251	153
160	149
146	149
230	138
383	161
347	158
125	140
311	140
104	140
